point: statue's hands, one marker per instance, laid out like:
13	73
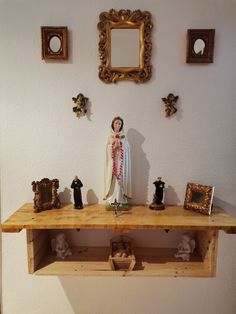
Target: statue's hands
116	144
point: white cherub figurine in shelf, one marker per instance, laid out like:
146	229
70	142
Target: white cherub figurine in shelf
60	246
185	248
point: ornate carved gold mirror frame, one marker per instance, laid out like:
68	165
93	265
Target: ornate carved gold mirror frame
199	198
125	19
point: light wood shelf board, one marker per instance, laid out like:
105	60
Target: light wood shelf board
138	217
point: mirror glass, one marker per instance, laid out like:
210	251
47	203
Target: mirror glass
125	47
199	46
46	193
55	44
197	197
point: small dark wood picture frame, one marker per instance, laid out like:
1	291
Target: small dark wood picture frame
200	45
45	194
54	42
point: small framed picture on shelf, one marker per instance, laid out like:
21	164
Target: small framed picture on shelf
199	198
200	45
54	42
45	194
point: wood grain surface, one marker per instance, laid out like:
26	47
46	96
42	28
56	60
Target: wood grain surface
137	217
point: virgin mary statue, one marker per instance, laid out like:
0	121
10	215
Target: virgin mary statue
117	166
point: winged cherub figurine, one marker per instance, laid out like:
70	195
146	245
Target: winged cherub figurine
170	103
80	105
185	248
60	246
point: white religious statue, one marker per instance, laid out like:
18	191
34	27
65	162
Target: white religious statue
117	166
60	246
185	247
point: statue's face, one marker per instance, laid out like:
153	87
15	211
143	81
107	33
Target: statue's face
185	239
117	125
60	238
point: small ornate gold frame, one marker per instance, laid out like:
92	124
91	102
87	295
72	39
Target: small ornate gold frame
47	33
125	19
199	198
207	35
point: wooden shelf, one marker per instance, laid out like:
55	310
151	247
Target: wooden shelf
138	217
93	261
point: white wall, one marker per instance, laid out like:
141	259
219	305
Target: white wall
41	137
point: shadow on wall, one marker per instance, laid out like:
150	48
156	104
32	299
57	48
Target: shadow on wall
92	295
171	197
65	196
229	208
92	197
89	110
140	167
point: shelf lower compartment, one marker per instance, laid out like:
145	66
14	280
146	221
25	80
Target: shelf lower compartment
93	261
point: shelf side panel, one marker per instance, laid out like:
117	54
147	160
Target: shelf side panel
38	244
207	244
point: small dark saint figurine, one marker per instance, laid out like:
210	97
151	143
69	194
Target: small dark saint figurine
76	185
157	203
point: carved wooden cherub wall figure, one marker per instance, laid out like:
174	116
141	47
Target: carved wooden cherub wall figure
81	102
170	103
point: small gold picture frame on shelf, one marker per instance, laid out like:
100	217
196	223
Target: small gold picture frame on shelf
200	45
54	42
199	198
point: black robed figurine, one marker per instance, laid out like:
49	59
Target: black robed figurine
76	185
158	196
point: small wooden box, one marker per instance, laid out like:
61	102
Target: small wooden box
121	253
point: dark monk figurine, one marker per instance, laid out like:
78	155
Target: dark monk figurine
158	196
76	185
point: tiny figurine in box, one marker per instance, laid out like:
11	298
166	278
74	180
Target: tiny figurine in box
157	203
60	246
45	194
76	185
185	247
121	255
